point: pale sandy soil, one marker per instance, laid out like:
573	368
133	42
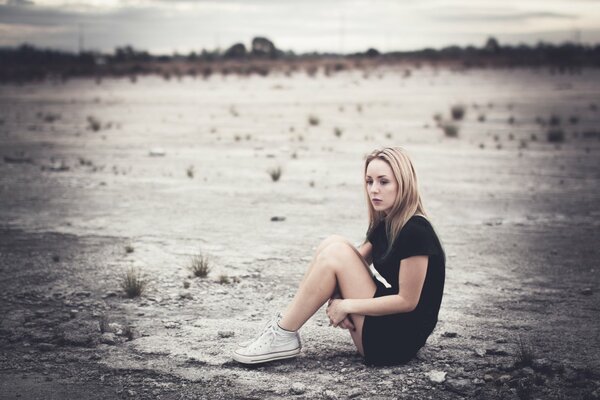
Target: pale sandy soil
518	218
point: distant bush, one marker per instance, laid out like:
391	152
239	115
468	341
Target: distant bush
337	132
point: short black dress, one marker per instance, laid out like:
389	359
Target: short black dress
396	338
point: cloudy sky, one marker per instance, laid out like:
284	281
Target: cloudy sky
166	26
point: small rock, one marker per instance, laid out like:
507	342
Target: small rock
354	393
298	388
504	378
479	352
269	296
226	334
109	294
73	313
46	346
330	394
541	365
186	295
460	386
488	378
586	291
277	219
171	324
108	338
157	152
436	376
449	334
494	351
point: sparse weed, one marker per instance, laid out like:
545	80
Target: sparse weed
133	283
275	173
199	265
129	249
337	132
190	172
129	332
224	279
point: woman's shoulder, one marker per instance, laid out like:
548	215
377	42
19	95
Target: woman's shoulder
418	222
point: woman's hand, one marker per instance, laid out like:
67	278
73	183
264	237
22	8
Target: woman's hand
337	315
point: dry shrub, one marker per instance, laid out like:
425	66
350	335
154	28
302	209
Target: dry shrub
275	173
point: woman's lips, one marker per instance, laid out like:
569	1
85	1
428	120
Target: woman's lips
376	200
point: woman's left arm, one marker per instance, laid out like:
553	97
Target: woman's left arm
411	278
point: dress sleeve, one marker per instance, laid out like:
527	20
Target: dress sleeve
417	238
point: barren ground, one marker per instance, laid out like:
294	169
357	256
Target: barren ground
518	216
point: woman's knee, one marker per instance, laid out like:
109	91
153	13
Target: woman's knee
335	253
329	240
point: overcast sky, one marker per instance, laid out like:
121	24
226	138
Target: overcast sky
166	26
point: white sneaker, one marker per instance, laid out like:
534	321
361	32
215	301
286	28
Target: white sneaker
274	343
272	321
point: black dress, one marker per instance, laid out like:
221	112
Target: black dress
396	338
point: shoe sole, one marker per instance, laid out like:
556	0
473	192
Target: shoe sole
279	355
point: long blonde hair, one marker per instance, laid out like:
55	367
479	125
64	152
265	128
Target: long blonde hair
408	199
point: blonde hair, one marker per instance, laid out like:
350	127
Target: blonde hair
408	199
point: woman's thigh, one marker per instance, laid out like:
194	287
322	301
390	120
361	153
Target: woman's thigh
353	279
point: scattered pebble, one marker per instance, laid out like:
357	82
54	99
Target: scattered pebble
449	334
586	291
436	376
330	394
157	152
298	388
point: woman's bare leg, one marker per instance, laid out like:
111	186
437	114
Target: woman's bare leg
337	264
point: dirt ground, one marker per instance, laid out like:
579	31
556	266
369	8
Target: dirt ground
98	178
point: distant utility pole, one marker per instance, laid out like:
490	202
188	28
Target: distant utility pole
81	39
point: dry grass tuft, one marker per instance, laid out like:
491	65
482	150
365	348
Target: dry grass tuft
224	279
199	265
337	131
133	283
525	353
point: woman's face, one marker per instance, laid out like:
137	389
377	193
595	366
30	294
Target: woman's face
381	185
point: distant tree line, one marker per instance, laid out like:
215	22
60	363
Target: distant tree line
28	62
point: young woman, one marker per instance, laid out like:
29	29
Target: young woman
390	309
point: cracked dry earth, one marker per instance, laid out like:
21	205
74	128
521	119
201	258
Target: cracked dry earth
518	216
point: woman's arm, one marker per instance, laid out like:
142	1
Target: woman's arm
365	251
411	278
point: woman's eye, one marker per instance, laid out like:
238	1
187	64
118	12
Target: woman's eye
369	182
384	182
